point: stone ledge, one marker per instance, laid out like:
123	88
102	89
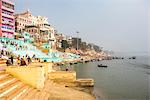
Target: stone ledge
33	76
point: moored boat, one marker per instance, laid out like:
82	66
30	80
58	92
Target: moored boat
102	65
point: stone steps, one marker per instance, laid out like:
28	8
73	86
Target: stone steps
32	94
13	89
23	96
37	95
2	65
18	92
13	92
7	84
4	91
5	78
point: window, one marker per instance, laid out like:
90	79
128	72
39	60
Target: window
7	5
7	27
6	12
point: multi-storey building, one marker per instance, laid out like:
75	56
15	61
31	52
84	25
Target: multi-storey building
59	38
76	42
27	19
6	18
69	40
24	19
35	24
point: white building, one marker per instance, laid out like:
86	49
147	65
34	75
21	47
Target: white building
40	22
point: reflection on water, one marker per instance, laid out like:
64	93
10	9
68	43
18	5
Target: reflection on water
122	80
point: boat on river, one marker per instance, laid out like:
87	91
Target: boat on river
134	57
102	65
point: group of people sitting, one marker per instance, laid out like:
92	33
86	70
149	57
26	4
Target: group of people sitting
21	61
10	61
24	61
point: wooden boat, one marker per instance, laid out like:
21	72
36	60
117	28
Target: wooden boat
76	63
86	61
133	57
102	65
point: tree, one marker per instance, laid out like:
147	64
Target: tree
64	44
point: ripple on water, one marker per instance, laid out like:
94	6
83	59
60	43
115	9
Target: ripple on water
120	80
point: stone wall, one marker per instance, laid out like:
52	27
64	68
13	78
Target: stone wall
47	66
33	76
62	76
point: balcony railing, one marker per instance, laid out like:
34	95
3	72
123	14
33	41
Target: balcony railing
7	30
9	1
8	23
8	9
8	16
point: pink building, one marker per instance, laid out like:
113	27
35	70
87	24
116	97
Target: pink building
6	18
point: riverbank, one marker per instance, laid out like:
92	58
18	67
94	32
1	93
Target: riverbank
65	93
44	73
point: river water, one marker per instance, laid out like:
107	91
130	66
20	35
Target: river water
121	80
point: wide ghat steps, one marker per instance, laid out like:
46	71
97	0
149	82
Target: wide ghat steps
2	64
12	88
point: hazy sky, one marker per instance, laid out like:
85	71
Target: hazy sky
118	25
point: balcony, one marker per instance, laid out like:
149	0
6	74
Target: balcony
9	1
7	23
7	30
8	16
8	9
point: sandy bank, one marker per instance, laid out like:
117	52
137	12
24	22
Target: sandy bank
58	92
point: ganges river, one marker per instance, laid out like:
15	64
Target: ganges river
126	79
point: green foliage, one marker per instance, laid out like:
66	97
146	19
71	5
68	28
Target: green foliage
64	44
